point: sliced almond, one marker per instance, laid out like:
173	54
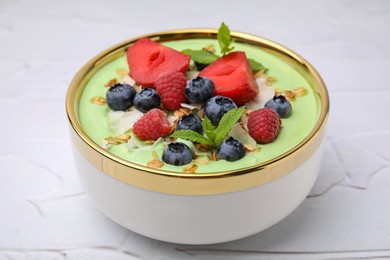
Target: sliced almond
210	48
111	140
249	148
98	100
150	141
181	112
270	80
111	83
290	95
123	138
202	147
155	163
122	72
259	74
278	92
213	156
301	91
201	161
190	168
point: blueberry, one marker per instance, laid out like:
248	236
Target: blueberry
177	154
200	66
147	99
120	97
217	106
190	122
230	150
199	90
280	105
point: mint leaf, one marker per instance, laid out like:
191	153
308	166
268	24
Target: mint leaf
224	39
228	120
201	56
256	66
192	136
208	129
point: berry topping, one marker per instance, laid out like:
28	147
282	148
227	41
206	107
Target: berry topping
190	122
148	60
233	77
199	90
280	105
147	99
230	150
200	66
120	97
264	125
177	154
216	107
152	125
171	89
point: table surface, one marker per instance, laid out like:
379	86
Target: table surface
45	213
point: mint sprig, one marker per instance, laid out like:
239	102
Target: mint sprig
228	120
201	56
225	44
192	136
214	136
208	128
256	66
224	39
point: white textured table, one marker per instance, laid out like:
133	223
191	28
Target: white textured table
44	213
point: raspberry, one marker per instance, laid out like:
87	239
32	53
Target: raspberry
171	88
152	125
264	125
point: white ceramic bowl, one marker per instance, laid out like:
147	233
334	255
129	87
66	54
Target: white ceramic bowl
197	208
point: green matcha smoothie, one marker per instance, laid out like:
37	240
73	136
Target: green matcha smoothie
94	118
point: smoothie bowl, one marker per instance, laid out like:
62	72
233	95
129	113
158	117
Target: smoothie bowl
183	138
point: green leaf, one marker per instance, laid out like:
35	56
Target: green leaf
201	56
228	120
207	125
192	136
256	66
224	39
208	129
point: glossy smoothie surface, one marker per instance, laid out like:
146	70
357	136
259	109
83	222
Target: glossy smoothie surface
93	118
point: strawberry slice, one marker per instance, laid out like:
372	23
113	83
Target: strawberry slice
232	77
148	60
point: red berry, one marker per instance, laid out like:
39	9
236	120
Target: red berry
148	60
232	77
152	125
171	88
264	125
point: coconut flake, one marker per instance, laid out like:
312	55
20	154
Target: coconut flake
134	143
120	121
238	133
266	93
105	144
128	80
192	106
191	74
172	118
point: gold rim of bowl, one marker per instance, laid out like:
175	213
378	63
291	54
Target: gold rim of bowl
193	183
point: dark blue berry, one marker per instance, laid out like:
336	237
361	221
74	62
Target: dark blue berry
177	154
199	90
230	150
200	66
190	122
216	107
147	99
120	97
280	105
